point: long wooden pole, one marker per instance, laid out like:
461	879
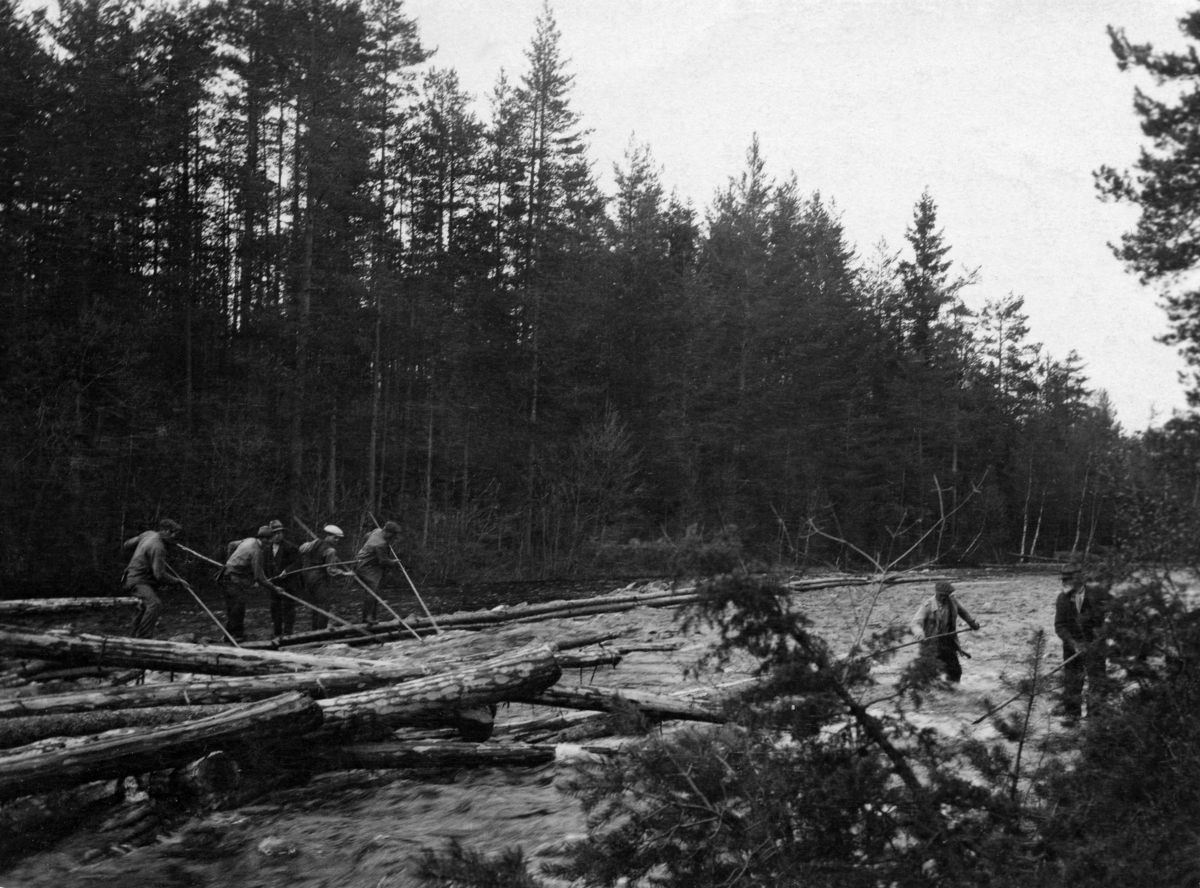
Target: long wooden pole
1017	696
220	625
411	584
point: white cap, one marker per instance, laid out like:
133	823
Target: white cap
334	529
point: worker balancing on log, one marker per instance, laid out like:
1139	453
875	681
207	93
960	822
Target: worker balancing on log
148	571
319	560
936	624
375	555
244	570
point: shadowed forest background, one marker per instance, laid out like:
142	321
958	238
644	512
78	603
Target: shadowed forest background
263	258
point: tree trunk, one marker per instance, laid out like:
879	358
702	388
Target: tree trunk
30	729
22	607
599	699
174	656
56	764
435	700
204	693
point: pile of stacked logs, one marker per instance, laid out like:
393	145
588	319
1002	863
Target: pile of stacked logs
214	724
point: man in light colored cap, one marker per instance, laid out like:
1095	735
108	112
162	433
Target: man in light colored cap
147	572
936	620
376	554
318	583
1079	612
242	572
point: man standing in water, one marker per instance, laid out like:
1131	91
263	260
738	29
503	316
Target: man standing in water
148	570
1079	612
936	621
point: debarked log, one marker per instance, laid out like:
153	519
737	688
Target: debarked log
606	699
437	698
239	689
33	607
50	765
81	649
30	729
435	754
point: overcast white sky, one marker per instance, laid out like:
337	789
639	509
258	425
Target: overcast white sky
1001	109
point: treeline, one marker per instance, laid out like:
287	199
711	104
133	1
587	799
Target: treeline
263	257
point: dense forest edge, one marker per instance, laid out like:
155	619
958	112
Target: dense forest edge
263	259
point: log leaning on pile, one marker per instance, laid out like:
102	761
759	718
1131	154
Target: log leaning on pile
369	714
439	754
34	607
55	764
176	656
599	699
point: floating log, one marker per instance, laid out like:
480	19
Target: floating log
34	607
30	729
169	656
600	699
240	689
55	764
436	699
436	754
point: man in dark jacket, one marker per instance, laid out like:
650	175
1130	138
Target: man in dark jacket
1079	613
937	621
373	557
147	572
279	557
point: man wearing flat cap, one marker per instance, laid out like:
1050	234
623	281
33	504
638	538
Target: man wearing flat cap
242	572
376	554
1079	612
149	571
936	622
322	556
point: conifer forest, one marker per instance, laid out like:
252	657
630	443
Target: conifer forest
265	258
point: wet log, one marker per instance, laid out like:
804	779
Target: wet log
437	698
241	689
30	729
205	783
34	607
590	659
80	649
51	765
591	697
436	754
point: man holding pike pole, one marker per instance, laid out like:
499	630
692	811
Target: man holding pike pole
280	556
373	557
244	570
319	558
936	621
148	570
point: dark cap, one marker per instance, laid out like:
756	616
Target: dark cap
943	586
276	526
169	524
1072	569
391	528
265	531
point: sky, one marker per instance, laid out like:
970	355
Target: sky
1001	110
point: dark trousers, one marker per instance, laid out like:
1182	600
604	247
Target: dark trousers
947	654
370	603
283	614
237	593
317	593
145	618
1090	667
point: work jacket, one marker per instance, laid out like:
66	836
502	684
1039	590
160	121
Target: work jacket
932	619
1077	624
148	565
245	565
